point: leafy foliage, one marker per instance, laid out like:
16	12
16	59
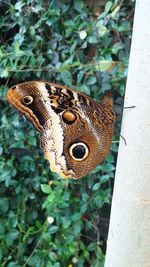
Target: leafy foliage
46	221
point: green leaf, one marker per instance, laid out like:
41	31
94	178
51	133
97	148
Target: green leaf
4	74
1	53
46	188
125	27
13	264
115	11
108	167
91	80
56	264
108	6
92	39
104	65
102	30
16	47
53	257
66	77
19	5
64	67
96	186
104	178
32	140
4	204
76	229
10	237
78	5
91	246
32	32
100	254
53	229
76	217
82	34
116	47
83	209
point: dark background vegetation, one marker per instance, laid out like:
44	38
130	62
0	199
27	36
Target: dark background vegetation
46	221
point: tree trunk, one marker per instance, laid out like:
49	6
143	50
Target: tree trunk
129	231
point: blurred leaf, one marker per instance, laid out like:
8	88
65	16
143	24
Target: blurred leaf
82	34
78	5
96	186
66	77
46	188
53	229
91	80
108	6
105	65
19	5
4	204
76	217
92	39
4	74
1	150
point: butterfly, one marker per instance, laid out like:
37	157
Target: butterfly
75	130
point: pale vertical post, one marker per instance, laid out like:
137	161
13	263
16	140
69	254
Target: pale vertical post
129	232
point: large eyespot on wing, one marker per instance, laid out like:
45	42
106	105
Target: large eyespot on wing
27	100
79	151
69	117
23	100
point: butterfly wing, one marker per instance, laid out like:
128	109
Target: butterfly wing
75	130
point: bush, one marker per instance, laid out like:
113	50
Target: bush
46	221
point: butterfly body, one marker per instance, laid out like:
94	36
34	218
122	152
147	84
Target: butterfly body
75	130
